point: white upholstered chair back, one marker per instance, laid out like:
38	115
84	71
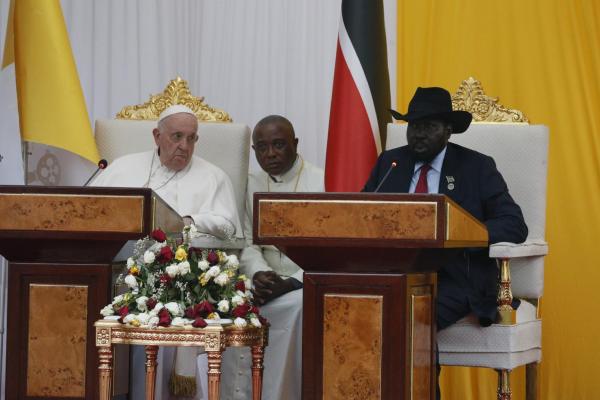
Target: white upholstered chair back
521	155
226	145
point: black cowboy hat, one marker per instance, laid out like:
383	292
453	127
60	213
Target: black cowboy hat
435	103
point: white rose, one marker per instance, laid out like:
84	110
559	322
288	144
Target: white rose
130	262
237	300
118	299
172	270
108	310
184	268
149	257
232	261
203	265
222	279
143	318
174	309
240	322
248	284
255	322
153	321
213	271
223	306
141	303
131	281
178	321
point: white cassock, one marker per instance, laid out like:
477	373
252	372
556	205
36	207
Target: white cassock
202	191
282	379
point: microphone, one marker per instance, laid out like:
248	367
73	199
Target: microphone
101	165
392	166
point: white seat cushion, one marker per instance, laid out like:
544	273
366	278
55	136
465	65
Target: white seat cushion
467	343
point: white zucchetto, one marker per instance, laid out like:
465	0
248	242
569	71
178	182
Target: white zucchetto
175	109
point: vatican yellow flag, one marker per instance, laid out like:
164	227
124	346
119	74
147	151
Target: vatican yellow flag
52	108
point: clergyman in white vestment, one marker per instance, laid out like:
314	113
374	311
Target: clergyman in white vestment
198	190
277	279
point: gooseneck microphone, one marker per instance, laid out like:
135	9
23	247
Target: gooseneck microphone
392	166
101	165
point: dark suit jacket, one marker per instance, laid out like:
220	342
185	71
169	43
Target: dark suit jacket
478	188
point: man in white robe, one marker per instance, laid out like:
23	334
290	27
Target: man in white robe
198	190
195	188
277	280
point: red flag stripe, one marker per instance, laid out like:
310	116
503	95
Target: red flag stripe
360	80
351	150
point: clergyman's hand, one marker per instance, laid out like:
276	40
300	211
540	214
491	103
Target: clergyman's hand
263	282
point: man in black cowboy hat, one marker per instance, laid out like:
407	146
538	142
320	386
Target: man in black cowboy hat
469	282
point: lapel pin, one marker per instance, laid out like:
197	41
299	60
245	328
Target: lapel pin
451	186
450	179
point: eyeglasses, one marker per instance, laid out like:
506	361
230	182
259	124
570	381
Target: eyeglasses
177	137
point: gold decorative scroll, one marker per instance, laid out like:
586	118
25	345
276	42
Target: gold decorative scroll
471	97
176	92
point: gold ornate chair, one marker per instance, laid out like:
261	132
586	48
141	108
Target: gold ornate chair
516	147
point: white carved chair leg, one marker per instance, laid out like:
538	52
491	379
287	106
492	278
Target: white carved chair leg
504	391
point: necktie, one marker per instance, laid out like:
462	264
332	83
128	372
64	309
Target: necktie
422	182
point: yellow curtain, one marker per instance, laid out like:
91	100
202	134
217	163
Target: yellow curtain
52	108
541	57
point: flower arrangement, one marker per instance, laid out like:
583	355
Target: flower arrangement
173	284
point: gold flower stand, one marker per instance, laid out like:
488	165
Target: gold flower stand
214	339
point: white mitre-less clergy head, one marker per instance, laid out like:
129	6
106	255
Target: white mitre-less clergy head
175	136
175	109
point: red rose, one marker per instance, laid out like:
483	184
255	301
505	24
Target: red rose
203	308
254	310
199	323
212	258
158	235
240	285
165	255
164	318
241	311
123	311
151	303
190	313
165	279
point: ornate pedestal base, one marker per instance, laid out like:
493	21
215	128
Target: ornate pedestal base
214	339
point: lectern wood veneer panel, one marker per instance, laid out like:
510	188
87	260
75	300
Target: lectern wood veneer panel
57	340
352	347
74	213
348	219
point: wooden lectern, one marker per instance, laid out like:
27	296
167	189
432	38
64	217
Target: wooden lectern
369	285
60	242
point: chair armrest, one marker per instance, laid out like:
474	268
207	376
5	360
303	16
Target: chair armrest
530	248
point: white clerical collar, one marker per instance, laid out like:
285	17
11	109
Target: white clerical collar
291	173
436	163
